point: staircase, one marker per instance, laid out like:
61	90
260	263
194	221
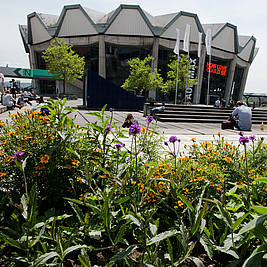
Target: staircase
202	114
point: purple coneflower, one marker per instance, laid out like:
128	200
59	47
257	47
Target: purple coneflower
243	140
149	119
252	138
117	146
134	129
173	139
18	154
108	128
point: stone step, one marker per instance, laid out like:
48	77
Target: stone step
202	120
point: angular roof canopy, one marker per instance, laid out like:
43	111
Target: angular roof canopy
132	20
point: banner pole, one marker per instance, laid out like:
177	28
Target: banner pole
208	90
186	75
177	77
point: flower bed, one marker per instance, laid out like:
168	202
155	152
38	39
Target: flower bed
77	196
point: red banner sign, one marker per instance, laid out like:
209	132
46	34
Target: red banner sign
217	69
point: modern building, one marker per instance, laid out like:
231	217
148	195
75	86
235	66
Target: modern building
108	41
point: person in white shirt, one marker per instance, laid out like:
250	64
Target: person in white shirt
217	103
8	100
242	116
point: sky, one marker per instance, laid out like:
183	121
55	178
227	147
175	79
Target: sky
249	17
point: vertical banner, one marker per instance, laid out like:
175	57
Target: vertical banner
208	42
208	47
177	45
2	82
177	51
199	44
187	38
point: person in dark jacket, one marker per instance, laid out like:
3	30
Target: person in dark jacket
128	121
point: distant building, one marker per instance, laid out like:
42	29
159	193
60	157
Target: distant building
108	41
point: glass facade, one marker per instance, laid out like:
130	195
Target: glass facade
236	87
46	87
117	56
90	54
218	69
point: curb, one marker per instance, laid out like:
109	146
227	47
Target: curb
3	109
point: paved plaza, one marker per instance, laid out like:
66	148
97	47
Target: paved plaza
184	131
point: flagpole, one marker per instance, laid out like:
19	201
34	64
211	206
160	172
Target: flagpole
208	40
186	49
208	90
177	77
186	75
176	51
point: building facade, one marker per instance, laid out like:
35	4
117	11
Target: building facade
108	41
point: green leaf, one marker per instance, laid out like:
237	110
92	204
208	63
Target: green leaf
161	237
187	203
226	217
197	261
253	224
170	250
124	253
120	234
191	247
260	209
122	200
77	211
133	219
84	261
261	179
10	241
71	249
24	202
44	258
227	251
34	242
238	221
254	260
153	228
204	241
93	207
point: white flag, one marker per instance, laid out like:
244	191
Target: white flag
177	45
2	81
208	42
199	44
187	38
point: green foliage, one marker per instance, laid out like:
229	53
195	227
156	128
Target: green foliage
170	84
95	203
62	61
141	77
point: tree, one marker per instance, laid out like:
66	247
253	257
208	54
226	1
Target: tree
141	77
170	84
63	62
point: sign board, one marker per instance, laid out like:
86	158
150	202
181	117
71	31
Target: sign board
26	73
215	68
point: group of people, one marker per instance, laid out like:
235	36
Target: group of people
9	100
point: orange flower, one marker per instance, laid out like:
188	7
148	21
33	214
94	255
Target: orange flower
68	166
2	174
45	159
79	179
76	162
